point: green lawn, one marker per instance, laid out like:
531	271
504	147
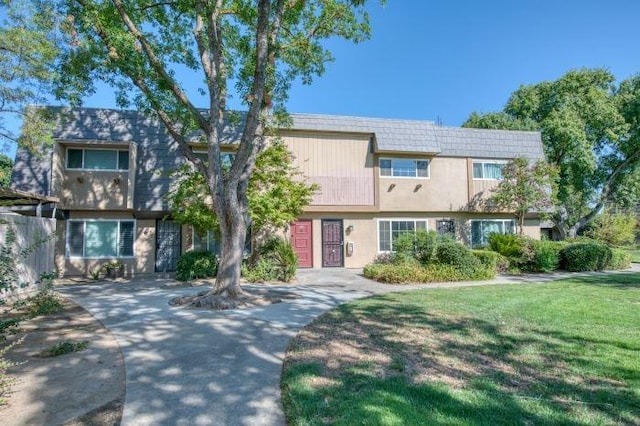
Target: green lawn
635	253
566	352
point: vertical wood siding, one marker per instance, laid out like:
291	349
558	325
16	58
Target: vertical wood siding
341	165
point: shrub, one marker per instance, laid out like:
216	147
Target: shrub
458	256
508	245
276	260
196	264
585	257
426	246
489	263
395	274
546	256
614	229
620	259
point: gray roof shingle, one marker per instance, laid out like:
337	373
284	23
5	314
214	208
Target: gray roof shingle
158	153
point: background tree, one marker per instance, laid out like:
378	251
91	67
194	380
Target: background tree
250	49
277	194
590	131
525	188
28	52
6	164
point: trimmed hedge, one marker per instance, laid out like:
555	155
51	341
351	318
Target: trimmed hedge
586	257
196	264
620	259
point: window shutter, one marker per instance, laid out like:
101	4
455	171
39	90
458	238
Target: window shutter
126	239
75	239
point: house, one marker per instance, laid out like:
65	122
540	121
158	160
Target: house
379	178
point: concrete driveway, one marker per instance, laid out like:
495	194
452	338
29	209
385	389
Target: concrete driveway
198	367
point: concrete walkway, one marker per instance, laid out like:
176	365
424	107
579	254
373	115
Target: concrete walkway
197	367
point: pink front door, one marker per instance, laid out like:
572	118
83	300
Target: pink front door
301	239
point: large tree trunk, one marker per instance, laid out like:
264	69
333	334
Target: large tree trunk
233	232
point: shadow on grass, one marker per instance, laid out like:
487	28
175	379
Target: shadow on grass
620	281
402	365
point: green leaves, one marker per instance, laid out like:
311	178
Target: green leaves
591	133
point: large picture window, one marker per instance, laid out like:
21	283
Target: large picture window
390	229
488	170
97	159
404	167
100	238
481	229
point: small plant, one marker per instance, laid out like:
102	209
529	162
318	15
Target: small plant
196	264
276	260
66	347
6	382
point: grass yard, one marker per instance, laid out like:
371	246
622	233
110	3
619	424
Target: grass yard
634	251
566	352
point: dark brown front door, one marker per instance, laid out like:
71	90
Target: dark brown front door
301	239
332	252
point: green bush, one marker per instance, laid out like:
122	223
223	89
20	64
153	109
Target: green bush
276	260
489	263
420	246
546	256
614	229
620	259
508	245
196	264
585	257
458	256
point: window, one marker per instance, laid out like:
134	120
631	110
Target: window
446	228
97	159
226	159
489	170
404	167
210	242
389	230
481	229
100	238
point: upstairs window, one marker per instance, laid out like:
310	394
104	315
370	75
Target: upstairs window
488	170
404	167
97	159
226	159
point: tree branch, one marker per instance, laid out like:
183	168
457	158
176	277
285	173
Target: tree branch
159	68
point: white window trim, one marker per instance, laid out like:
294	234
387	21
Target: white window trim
486	162
397	219
84	221
83	149
513	222
428	160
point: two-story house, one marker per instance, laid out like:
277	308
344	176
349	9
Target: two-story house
379	178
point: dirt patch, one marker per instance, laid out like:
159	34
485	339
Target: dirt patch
84	387
250	298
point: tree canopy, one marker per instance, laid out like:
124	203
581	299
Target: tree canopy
248	50
524	188
590	132
28	42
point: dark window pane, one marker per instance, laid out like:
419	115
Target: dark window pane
74	158
123	160
100	159
422	168
385	167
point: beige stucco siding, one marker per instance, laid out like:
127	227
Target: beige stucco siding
364	235
444	190
341	164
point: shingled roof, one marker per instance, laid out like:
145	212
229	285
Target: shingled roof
159	153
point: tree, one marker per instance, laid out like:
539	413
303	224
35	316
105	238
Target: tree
590	132
6	164
250	49
277	194
28	43
524	189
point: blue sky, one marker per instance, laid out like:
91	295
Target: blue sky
443	59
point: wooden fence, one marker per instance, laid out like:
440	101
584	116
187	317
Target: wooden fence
33	249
